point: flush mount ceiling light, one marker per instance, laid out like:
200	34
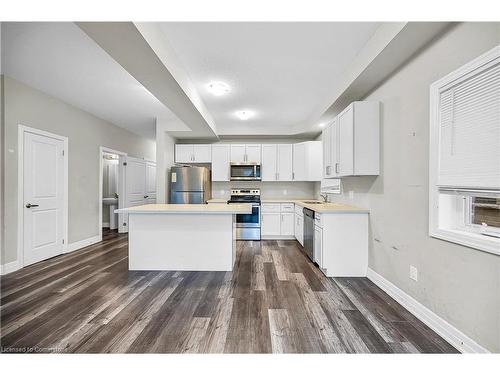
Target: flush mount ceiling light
245	114
218	88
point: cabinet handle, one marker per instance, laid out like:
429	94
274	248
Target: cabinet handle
277	176
293	175
336	167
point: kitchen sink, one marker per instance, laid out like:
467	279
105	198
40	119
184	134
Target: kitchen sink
312	202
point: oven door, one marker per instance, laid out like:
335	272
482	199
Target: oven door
249	220
245	172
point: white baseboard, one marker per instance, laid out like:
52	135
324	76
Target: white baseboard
9	267
83	243
455	337
277	238
105	225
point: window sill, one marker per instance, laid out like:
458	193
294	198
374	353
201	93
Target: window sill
474	240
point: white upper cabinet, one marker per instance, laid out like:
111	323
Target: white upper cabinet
201	153
327	151
183	153
307	161
249	153
238	153
269	162
351	143
220	162
276	162
285	160
253	153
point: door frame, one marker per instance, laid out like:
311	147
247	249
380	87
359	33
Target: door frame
121	184
22	129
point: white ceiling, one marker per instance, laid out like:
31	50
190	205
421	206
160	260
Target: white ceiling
285	72
61	60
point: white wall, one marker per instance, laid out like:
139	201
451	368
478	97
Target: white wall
460	284
27	106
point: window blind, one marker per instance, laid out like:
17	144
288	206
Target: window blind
469	130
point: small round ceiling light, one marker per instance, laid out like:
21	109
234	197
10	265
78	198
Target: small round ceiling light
218	88
244	114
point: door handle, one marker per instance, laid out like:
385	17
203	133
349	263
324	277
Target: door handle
29	205
146	196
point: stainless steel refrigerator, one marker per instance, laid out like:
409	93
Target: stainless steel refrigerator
190	185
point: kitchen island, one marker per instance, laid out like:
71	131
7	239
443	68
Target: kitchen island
183	237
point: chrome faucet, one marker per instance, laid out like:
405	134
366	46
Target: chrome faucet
325	197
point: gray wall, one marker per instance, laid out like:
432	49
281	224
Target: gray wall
27	106
459	284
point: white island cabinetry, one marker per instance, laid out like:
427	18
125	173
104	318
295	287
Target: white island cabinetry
183	237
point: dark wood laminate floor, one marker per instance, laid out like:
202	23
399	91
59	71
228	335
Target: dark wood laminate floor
275	301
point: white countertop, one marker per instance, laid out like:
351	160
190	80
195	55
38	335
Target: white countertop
325	208
244	208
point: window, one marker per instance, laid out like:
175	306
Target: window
464	170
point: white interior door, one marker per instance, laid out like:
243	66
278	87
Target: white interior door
150	183
43	197
135	182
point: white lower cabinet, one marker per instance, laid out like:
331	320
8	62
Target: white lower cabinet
318	245
299	228
277	220
287	228
271	224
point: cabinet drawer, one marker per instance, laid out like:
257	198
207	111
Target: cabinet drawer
317	220
271	207
298	210
287	207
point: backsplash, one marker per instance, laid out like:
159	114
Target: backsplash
269	189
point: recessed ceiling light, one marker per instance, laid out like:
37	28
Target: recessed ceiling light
244	115
218	88
323	124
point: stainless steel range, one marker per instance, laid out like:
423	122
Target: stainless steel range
247	225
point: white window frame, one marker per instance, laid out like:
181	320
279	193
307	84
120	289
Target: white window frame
464	237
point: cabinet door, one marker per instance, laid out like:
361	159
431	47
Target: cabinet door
287	224
346	142
183	153
271	224
220	162
202	153
334	149
299	162
284	168
327	152
150	183
299	229
269	162
318	245
253	153
238	153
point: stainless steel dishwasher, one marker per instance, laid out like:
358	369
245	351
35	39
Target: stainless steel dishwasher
309	233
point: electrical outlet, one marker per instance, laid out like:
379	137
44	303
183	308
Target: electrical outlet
351	194
413	273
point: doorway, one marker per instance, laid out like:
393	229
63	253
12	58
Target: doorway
43	195
111	189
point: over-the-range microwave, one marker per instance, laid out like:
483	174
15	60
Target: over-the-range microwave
245	172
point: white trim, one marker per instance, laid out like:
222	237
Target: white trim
278	237
464	238
83	243
121	186
105	225
455	337
20	187
9	267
